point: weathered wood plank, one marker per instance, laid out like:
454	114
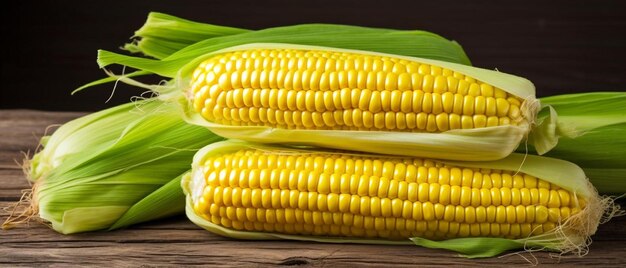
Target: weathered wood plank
13	182
268	252
192	246
613	231
176	241
134	247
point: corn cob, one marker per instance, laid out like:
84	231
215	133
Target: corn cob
332	90
340	98
254	191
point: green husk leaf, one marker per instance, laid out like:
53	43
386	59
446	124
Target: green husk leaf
402	42
154	47
572	235
163	34
115	167
168	27
82	219
582	112
412	43
478	247
168	200
591	131
73	136
607	180
600	147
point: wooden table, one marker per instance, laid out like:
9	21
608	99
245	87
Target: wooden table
176	242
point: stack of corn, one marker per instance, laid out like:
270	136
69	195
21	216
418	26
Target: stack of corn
97	172
349	134
395	114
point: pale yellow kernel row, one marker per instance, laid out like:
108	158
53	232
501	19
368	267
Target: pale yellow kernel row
365	100
347	186
312	60
276	169
398	75
332	81
435	230
353	119
416	211
295	221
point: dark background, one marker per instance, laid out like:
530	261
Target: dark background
49	47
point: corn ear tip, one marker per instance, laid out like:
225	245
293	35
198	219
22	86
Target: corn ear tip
573	236
599	210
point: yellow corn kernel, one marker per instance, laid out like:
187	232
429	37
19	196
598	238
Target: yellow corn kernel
330	194
302	87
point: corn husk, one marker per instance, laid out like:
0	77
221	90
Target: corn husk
113	168
403	42
571	235
163	35
591	132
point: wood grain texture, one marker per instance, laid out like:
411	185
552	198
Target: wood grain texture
177	242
